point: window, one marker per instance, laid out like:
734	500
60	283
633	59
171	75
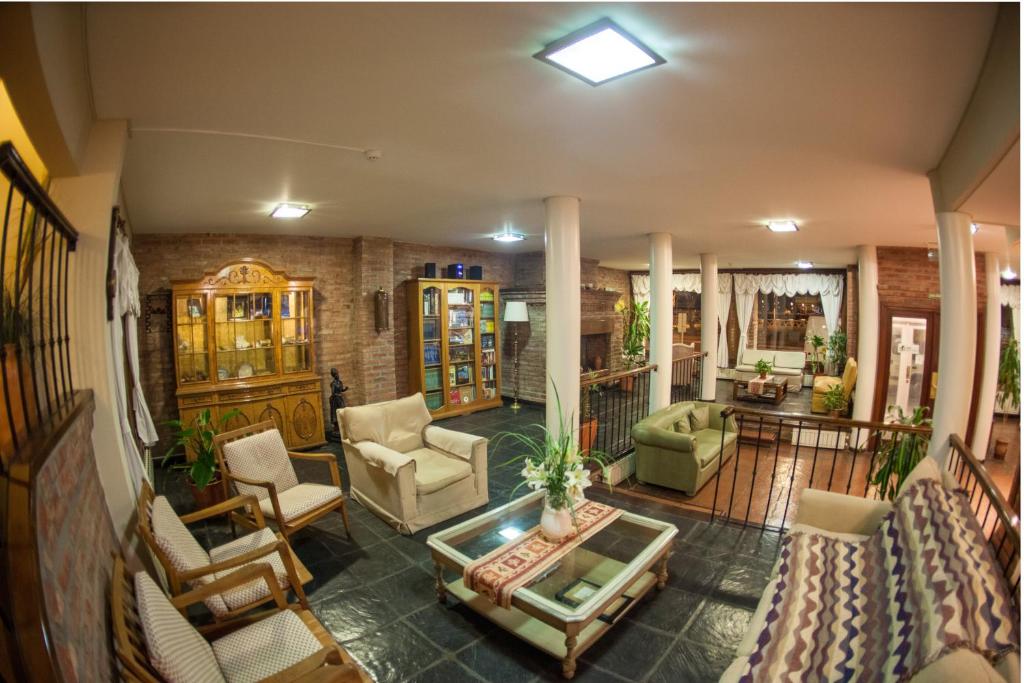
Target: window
783	322
686	318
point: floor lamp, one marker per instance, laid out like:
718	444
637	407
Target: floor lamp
515	312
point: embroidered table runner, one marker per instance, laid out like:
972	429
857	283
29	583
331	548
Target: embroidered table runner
924	584
756	386
500	572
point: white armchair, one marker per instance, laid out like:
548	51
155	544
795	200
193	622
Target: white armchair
408	472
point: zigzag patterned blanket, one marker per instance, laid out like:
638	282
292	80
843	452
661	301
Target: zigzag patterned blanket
924	584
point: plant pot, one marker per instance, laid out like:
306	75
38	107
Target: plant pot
626	383
763	375
833	413
1000	449
211	494
17	413
588	435
555	525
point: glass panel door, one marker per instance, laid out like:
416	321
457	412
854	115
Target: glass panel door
907	388
190	314
296	355
488	350
461	346
433	379
244	329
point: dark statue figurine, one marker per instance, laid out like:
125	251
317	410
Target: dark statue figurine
338	390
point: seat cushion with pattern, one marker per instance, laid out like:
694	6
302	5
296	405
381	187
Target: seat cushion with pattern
301	499
265	648
175	648
175	540
435	470
255	590
263	457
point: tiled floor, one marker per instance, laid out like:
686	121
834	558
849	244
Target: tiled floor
375	592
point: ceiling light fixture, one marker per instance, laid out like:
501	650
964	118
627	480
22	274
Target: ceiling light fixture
782	226
804	265
1008	273
974	228
599	53
289	211
508	236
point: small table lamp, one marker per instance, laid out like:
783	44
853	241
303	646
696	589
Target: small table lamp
515	312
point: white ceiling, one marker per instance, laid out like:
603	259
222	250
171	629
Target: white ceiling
830	114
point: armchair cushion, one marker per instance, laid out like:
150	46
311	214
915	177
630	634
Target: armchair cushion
454	443
265	648
709	444
253	591
174	538
381	456
395	424
823	383
175	649
699	418
263	457
682	426
434	470
300	499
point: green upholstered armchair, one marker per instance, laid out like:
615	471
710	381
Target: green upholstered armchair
677	460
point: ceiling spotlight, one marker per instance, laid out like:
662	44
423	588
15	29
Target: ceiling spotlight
289	211
1008	273
782	226
599	53
509	236
805	265
974	228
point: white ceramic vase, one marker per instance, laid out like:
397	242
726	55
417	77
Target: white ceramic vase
555	525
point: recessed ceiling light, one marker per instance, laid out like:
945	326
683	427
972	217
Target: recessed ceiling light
289	211
599	52
806	265
509	236
974	228
782	226
1008	273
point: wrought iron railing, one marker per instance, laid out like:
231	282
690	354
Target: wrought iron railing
35	253
610	404
687	373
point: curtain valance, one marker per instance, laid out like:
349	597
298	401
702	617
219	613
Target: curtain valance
1009	295
790	284
681	282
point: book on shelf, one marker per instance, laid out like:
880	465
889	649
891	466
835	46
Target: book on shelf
451	375
487	295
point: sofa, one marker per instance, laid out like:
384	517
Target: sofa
822	384
682	461
407	471
786	364
854	519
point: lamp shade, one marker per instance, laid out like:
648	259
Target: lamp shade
515	312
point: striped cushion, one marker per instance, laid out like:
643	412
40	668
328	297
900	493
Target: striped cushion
174	538
175	649
254	590
262	457
299	500
265	648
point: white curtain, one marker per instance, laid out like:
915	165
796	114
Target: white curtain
1009	295
724	302
831	304
124	327
746	292
681	282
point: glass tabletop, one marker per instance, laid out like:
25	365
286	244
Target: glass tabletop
611	556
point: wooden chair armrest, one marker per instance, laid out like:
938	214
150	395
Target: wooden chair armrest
332	463
227	506
299	670
271	491
243	576
237	561
343	673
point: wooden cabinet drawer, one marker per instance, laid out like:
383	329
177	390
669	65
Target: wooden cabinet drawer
305	420
273	409
198	400
304	388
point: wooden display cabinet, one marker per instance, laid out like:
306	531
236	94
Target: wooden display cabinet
243	339
454	349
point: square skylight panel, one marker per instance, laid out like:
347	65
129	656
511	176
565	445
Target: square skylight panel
599	53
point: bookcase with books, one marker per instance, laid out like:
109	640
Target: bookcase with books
453	344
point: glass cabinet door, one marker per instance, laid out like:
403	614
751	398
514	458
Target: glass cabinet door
461	346
433	381
296	317
488	345
190	338
244	335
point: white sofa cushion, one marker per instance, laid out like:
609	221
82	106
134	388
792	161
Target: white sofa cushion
751	356
792	360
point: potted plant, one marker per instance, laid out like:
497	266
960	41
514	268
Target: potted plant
763	368
836	351
554	463
203	477
636	330
588	421
1007	389
899	455
835	401
817	344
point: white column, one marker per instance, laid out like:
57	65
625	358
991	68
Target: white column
989	347
709	324
562	287
867	332
661	319
957	331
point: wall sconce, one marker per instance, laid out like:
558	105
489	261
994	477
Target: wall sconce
380	310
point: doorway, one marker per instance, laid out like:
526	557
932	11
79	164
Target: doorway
908	360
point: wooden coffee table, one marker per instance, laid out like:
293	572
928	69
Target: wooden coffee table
774	391
607	578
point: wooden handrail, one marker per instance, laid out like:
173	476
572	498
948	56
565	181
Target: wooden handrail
1010	521
810	420
617	375
14	168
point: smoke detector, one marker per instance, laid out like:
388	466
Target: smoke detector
373	154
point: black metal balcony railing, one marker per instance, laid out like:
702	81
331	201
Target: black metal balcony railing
35	248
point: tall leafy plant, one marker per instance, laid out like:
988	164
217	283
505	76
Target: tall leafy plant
1008	379
636	331
900	454
817	344
837	350
199	438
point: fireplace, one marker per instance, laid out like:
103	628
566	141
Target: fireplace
596	343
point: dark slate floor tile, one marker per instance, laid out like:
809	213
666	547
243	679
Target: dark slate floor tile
374	562
329	578
394	653
667	610
450	627
742	583
447	671
690	569
408	590
719	623
692	663
504	659
585	673
359	612
628	649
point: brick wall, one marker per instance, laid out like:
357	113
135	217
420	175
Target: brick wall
852	292
907	278
373	268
